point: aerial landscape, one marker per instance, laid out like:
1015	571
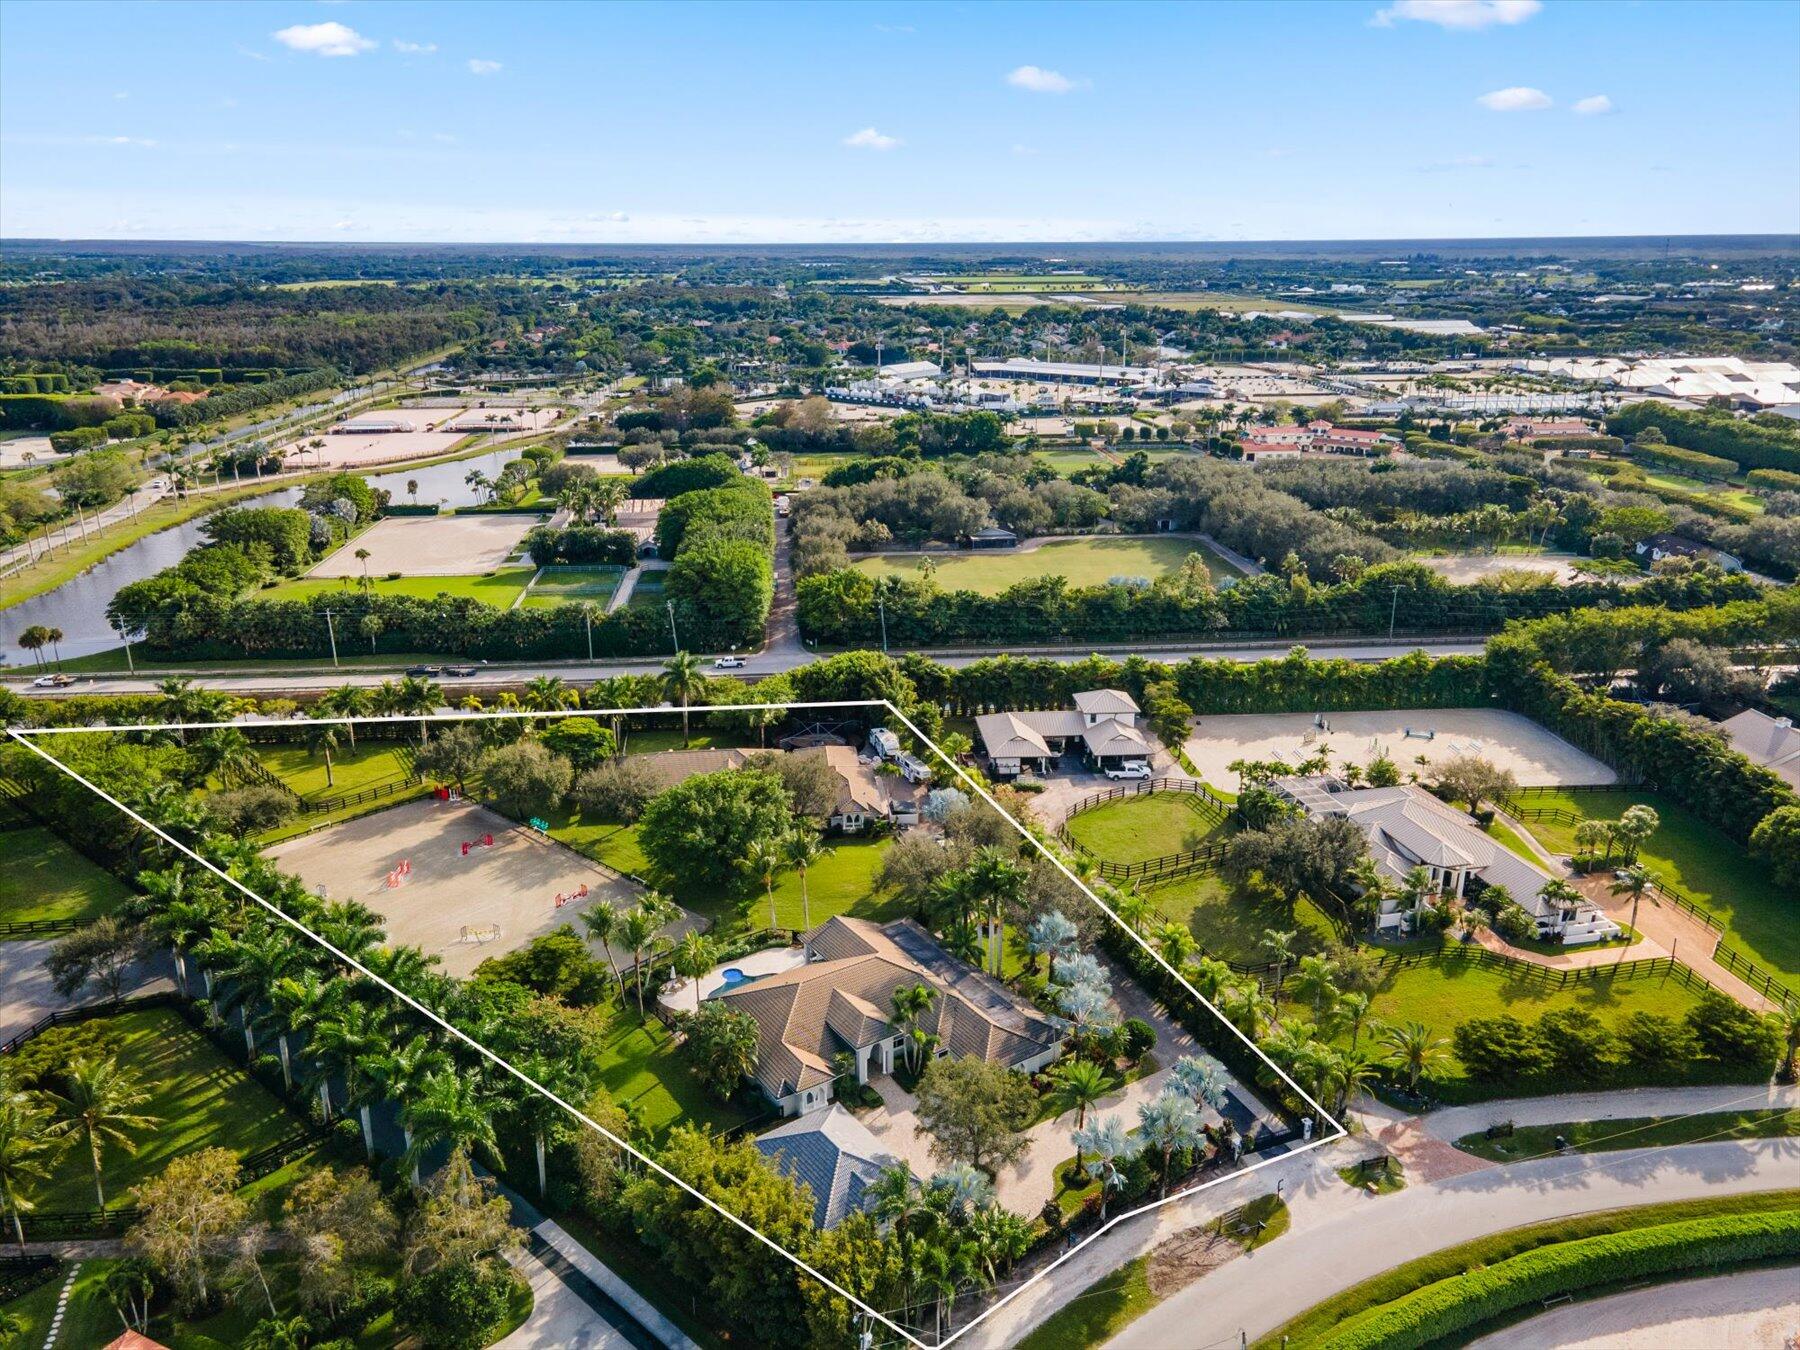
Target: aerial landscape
775	675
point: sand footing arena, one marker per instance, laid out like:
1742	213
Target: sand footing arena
1536	757
458	881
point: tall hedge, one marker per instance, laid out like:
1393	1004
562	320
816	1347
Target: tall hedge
1712	432
1692	462
686	475
1442	1310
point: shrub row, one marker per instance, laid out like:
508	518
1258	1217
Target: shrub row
242	398
1751	444
581	544
686	475
1690	462
1780	480
34	384
1610	445
1439	1311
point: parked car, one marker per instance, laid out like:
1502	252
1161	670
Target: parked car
729	663
424	672
53	682
1129	770
460	672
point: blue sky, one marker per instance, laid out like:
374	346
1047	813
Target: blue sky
562	122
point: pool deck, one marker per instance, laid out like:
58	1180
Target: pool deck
679	997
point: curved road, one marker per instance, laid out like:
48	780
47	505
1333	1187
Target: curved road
1348	1237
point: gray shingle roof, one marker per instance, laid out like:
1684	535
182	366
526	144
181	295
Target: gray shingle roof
833	1154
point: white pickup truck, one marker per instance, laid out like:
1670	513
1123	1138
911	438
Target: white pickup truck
1131	769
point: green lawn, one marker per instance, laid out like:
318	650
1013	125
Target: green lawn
1151	825
562	585
1691	855
1085	562
643	1071
1453	989
1230	923
1600	1136
371	764
649	589
199	1098
43	878
499	588
843	883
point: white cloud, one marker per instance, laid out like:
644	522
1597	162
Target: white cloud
617	215
1041	81
141	142
479	66
344	225
1467	15
1594	105
414	48
870	139
324	39
1518	98
249	53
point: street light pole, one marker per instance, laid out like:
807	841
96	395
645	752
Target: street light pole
331	632
129	664
674	636
881	605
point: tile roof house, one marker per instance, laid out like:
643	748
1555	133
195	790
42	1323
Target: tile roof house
1408	827
1103	721
1768	741
834	1155
866	796
840	1003
1660	546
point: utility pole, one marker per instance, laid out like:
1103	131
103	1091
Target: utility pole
587	618
881	605
674	636
130	666
1393	611
331	632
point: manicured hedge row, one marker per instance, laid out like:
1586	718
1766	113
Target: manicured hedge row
1778	479
581	544
1450	1306
242	398
1610	445
1691	462
686	475
34	384
1751	444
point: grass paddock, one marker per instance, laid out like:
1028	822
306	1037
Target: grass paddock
1085	562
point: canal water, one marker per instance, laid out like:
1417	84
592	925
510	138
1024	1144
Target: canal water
78	606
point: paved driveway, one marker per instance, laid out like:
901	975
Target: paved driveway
28	995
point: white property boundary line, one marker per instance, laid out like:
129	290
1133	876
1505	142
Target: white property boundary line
27	738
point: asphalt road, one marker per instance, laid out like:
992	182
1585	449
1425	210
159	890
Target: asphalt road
755	666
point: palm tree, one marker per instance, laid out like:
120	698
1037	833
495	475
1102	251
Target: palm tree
1168	1122
910	1002
420	697
801	849
539	1113
693	958
1313	982
446	1110
1202	1078
412	490
1280	947
764	858
306	1003
895	1196
547	693
26	1152
1176	943
1110	1145
1077	1084
682	680
1635	826
54	637
322	737
1415	1049
1349	1072
362	556
999	882
399	1075
603	923
1133	906
1633	879
99	1101
348	701
33	640
353	1040
637	931
1354	1007
1051	934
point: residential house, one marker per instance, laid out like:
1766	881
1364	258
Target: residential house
1409	828
1103	724
1660	546
840	1003
833	1155
866	796
1771	742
